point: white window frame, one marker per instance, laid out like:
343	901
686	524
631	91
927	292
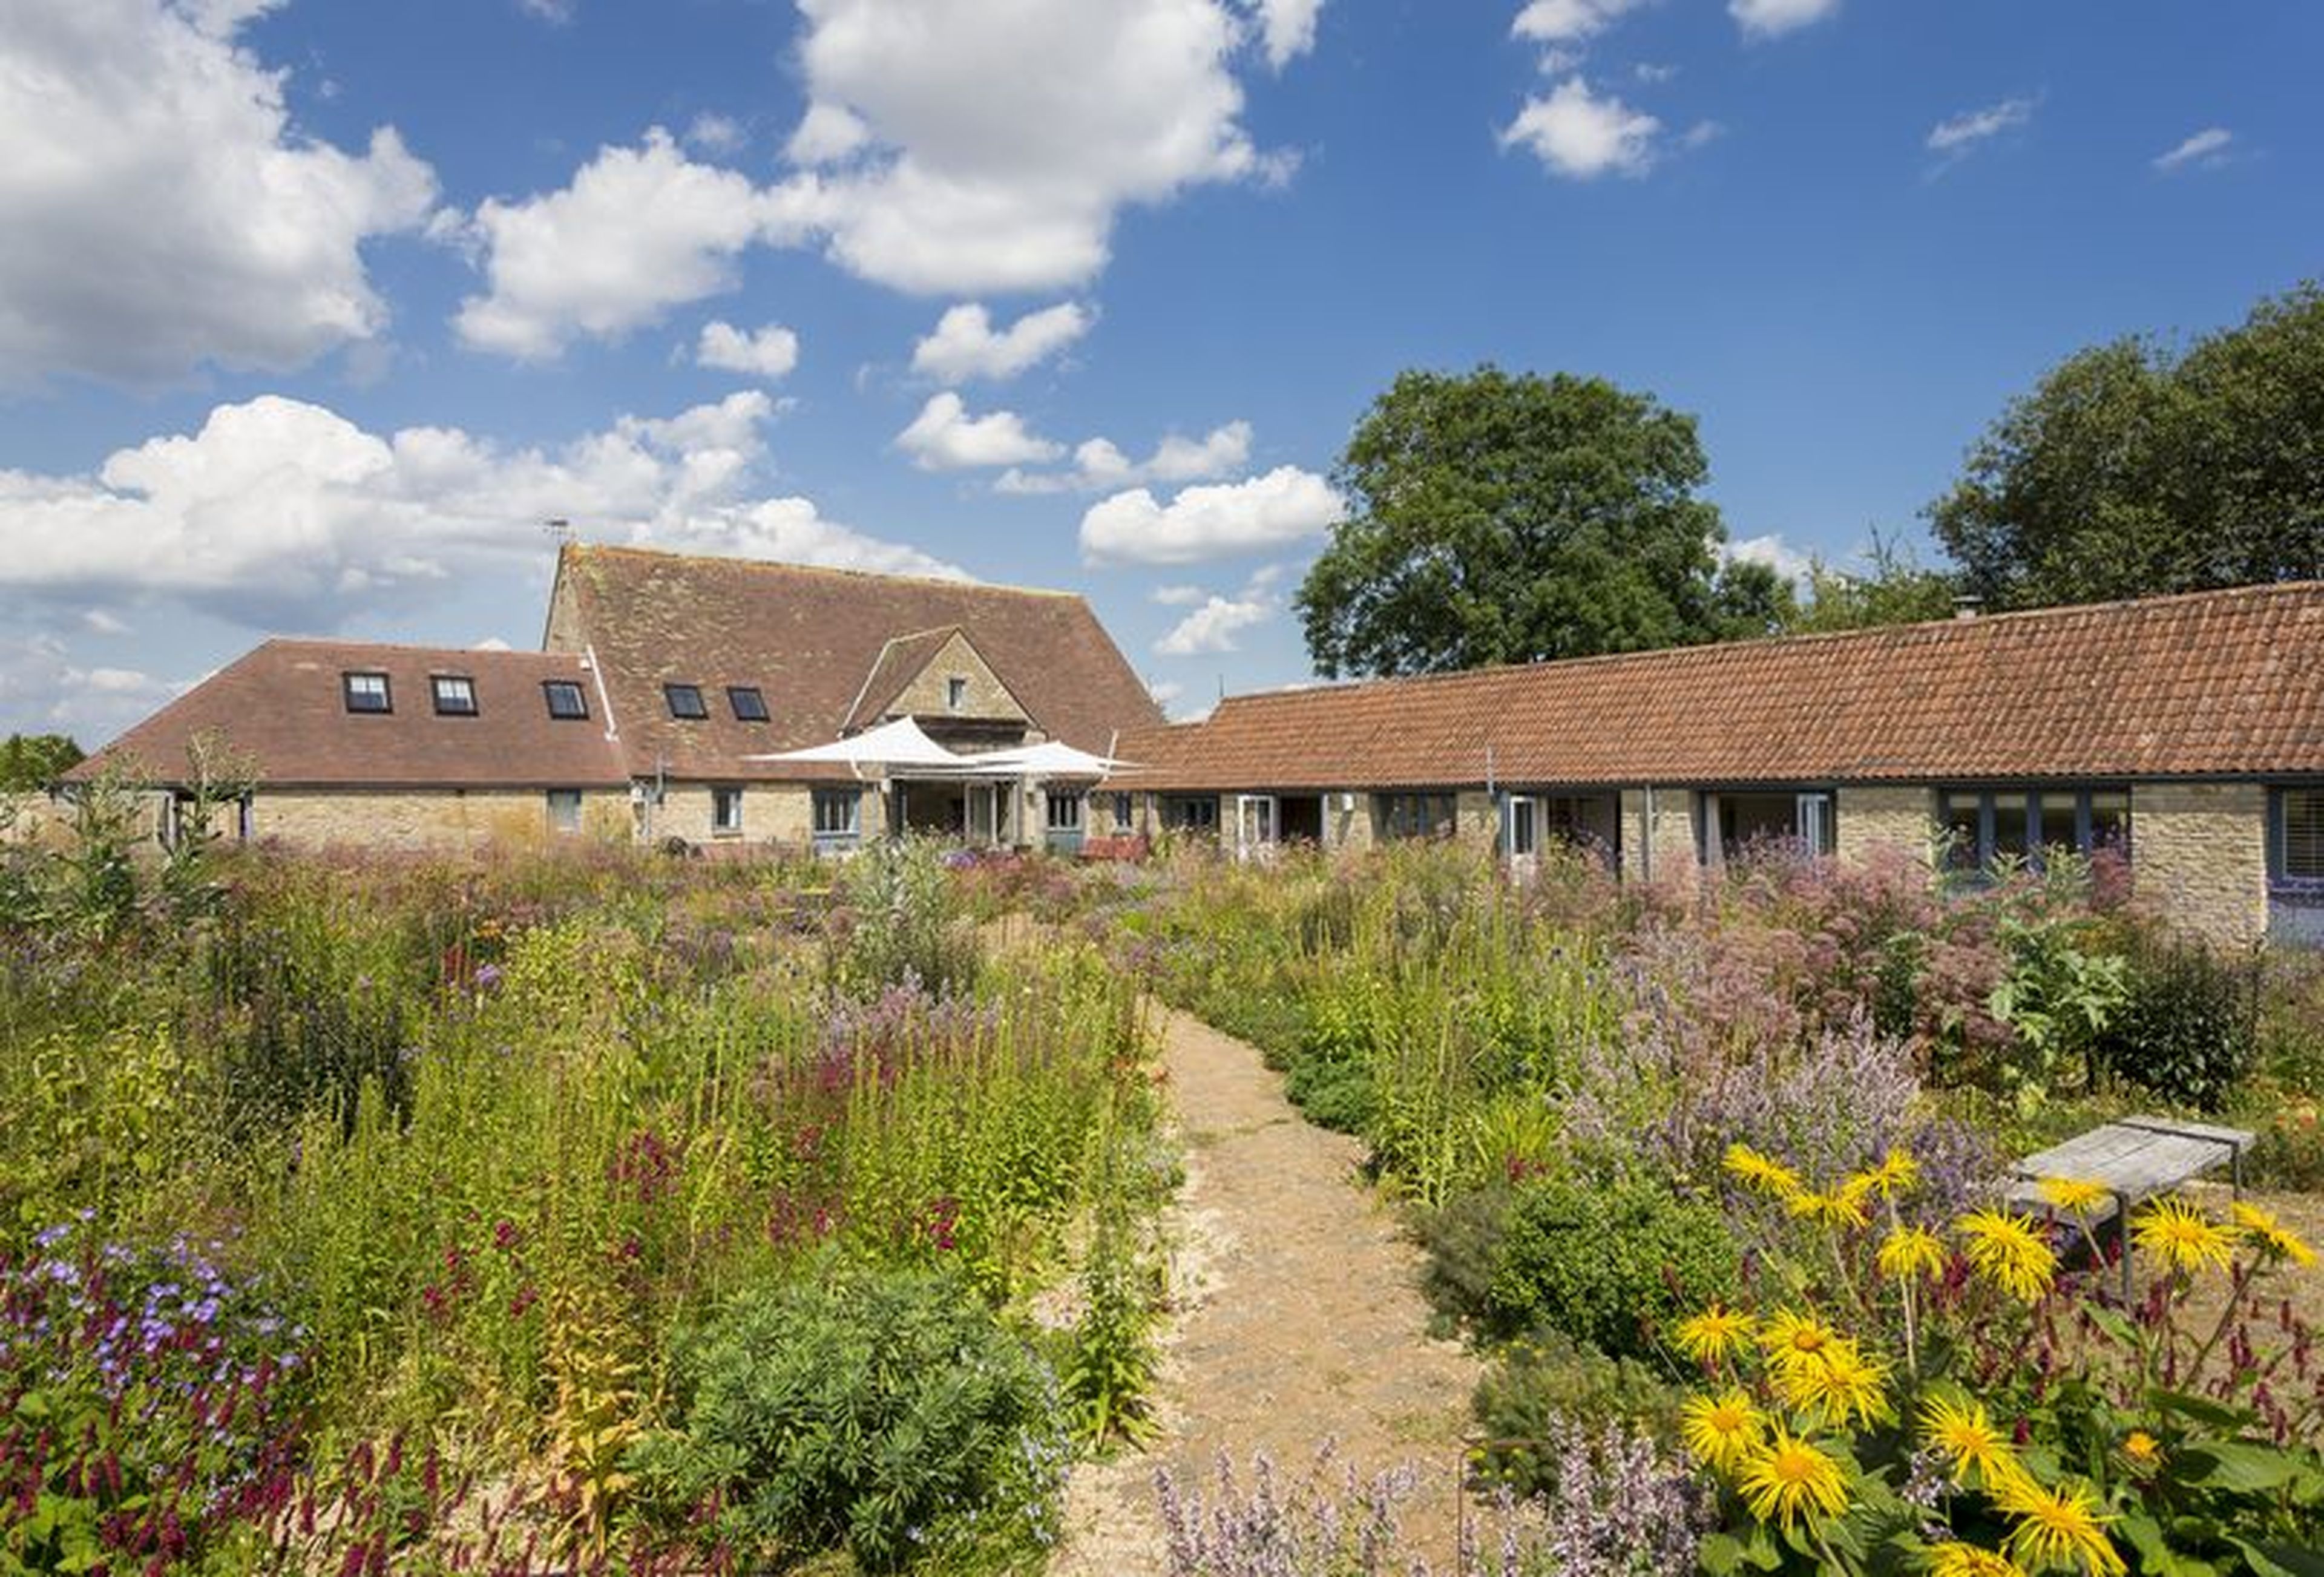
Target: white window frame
1525	825
460	685
1258	818
727	811
955	692
850	800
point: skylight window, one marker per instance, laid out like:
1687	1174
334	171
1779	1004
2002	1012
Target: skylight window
749	706
456	695
686	702
367	692
566	701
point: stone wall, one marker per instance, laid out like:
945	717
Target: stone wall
772	813
928	694
422	819
1873	818
1660	846
2199	857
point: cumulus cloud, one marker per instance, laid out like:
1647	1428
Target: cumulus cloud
769	353
945	436
965	345
278	514
1214	626
1582	135
1570	22
1285	506
1286	29
1100	463
1958	134
640	230
161	213
716	133
955	150
42	686
1176	596
1771	551
2202	151
1772	18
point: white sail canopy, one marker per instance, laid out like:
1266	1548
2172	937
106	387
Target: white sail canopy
1050	759
900	744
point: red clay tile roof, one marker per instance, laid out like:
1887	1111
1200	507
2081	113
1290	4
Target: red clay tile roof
2213	684
809	638
282	707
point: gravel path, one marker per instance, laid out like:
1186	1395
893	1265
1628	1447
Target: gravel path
1298	1320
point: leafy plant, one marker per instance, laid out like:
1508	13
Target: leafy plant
1544	1386
1610	1263
882	1411
2189	1030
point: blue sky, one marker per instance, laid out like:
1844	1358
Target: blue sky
311	314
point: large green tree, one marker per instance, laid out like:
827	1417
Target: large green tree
35	761
2136	467
1500	517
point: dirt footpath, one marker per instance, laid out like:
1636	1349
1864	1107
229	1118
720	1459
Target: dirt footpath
1298	1320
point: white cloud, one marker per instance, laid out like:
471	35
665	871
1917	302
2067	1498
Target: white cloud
1773	551
1214	626
1100	463
2205	149
945	436
1772	18
768	353
556	12
1285	506
1570	22
283	514
1959	133
965	345
991	150
640	230
1177	596
717	133
161	211
1582	135
1286	29
1652	74
104	623
42	687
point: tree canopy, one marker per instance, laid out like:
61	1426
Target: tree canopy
2133	468
1892	588
34	761
1500	517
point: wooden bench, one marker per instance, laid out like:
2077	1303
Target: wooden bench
2133	1158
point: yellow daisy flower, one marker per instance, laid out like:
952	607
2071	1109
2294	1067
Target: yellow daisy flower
1790	1339
1762	1172
2059	1527
2009	1251
2073	1195
1838	1208
1964	1432
2142	1450
1722	1430
1956	1559
1789	1478
1715	1334
2182	1237
1909	1252
2270	1236
1845	1387
1896	1173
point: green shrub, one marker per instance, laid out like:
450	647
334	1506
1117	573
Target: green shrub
907	922
1547	1381
1613	1264
2189	1032
1335	1095
1463	1238
886	1411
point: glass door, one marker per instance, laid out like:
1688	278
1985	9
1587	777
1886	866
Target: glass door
1814	822
1254	824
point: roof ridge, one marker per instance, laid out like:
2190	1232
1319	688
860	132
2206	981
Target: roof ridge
1964	623
408	646
791	566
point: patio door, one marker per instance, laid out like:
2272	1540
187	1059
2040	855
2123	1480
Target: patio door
1255	824
1814	823
984	814
1521	837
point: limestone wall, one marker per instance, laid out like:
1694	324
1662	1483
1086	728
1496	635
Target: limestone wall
2199	856
1873	818
418	820
928	694
772	813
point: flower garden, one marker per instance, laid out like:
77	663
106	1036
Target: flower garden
615	1213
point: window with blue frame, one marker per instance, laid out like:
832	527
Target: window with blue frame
2296	842
1984	828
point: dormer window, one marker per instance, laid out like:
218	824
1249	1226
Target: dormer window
749	704
367	692
685	702
456	695
956	693
567	704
